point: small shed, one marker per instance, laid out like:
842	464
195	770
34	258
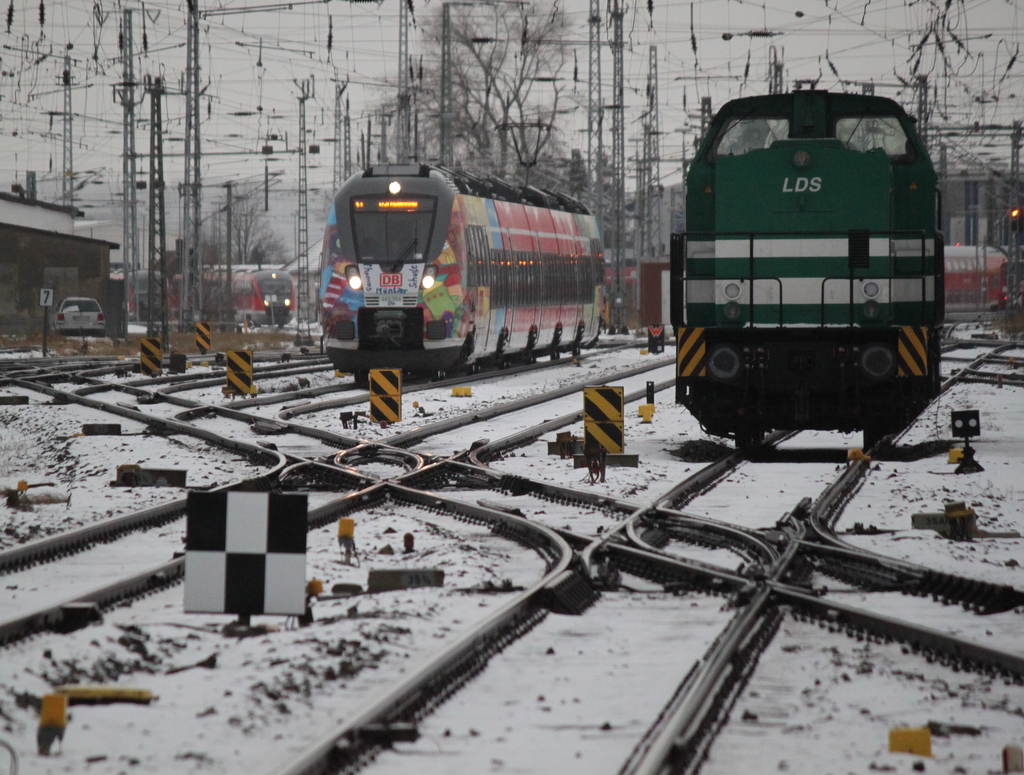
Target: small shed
32	258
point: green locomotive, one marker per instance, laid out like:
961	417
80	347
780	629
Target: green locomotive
807	291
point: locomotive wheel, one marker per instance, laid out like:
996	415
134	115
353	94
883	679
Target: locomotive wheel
748	439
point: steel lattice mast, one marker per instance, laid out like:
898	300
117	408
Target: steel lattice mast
348	141
68	188
157	291
403	119
342	139
617	107
1013	275
650	216
191	260
130	239
595	118
446	86
302	313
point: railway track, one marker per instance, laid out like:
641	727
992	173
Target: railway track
768	574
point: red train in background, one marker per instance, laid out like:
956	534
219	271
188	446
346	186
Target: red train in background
975	279
260	297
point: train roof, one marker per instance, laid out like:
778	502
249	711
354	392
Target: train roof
484	186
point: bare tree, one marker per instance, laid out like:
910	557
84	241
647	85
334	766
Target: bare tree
253	240
507	65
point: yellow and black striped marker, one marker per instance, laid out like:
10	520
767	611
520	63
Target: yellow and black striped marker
385	395
151	356
602	419
691	353
913	351
53	719
203	336
602	404
239	372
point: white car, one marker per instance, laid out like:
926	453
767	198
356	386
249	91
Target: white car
79	316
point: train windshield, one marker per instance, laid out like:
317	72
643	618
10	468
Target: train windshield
392	231
867	133
281	284
741	135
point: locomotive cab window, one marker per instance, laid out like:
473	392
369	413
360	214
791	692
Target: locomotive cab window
392	231
868	133
741	135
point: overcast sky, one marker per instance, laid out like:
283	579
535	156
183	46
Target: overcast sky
250	62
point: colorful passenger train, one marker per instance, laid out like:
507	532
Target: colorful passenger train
429	270
807	291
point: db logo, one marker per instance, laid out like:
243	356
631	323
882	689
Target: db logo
390	279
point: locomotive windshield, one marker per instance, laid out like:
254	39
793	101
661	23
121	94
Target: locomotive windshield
866	133
750	134
392	231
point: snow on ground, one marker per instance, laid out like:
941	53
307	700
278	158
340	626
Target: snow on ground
823	703
574	696
257	699
39	443
895	490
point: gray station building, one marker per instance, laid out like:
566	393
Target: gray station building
39	249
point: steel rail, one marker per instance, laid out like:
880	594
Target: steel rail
414	436
479	455
287	414
359	739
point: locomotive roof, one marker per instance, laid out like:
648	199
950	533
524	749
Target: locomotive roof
485	186
772	103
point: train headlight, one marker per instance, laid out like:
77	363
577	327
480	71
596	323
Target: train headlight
395	187
724	363
266	303
287	302
871	309
355	282
732	291
801	158
429	278
871	289
732	310
877	362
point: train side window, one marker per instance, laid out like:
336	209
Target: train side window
741	135
868	133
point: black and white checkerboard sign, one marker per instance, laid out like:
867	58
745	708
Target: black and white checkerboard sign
245	553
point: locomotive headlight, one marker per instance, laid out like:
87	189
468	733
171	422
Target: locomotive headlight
429	277
266	303
871	309
801	158
724	363
732	291
877	361
732	310
395	187
354	280
287	302
871	289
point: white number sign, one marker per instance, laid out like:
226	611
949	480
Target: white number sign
46	297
